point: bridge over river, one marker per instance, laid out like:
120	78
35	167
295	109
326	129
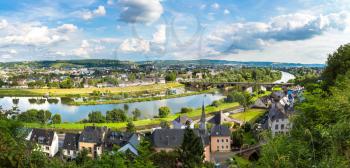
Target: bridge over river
244	85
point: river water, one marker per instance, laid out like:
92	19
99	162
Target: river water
149	109
285	77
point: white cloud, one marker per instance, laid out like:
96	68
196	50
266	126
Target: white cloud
160	35
3	23
87	15
13	51
258	35
226	12
215	6
135	45
83	50
140	11
110	2
67	28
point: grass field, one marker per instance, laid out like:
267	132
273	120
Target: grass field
140	124
250	115
132	100
86	91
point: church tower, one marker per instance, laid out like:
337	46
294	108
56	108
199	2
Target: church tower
202	121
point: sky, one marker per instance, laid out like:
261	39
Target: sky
298	31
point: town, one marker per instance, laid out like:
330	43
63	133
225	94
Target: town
174	84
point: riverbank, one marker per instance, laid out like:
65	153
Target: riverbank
149	123
140	124
143	99
87	91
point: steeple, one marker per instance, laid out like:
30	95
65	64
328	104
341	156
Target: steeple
202	124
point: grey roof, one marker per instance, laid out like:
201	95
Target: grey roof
120	138
220	130
277	111
261	103
183	120
219	118
172	138
93	134
42	136
277	95
71	141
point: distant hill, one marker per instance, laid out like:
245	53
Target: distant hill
238	63
114	63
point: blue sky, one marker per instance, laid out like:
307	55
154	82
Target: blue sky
303	31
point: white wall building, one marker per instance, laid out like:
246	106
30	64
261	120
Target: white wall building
46	140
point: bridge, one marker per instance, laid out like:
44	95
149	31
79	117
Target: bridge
244	85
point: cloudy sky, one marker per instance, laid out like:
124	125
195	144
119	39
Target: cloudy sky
302	31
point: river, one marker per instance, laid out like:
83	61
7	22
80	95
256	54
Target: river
285	77
149	109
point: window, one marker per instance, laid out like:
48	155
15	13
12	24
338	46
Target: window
222	140
226	140
90	150
276	126
222	147
218	140
282	126
47	148
68	152
41	139
226	147
217	147
277	120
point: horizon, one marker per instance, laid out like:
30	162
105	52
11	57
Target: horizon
146	30
165	60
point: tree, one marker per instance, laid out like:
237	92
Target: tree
191	150
116	115
164	124
96	117
2	83
186	109
170	76
126	107
338	63
136	114
82	157
130	127
243	98
216	103
164	112
67	83
56	119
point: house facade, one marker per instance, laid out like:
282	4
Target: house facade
280	111
220	139
46	140
170	139
91	139
70	148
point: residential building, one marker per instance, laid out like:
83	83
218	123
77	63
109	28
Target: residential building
91	139
221	118
279	113
170	139
182	122
124	140
46	140
70	146
220	139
